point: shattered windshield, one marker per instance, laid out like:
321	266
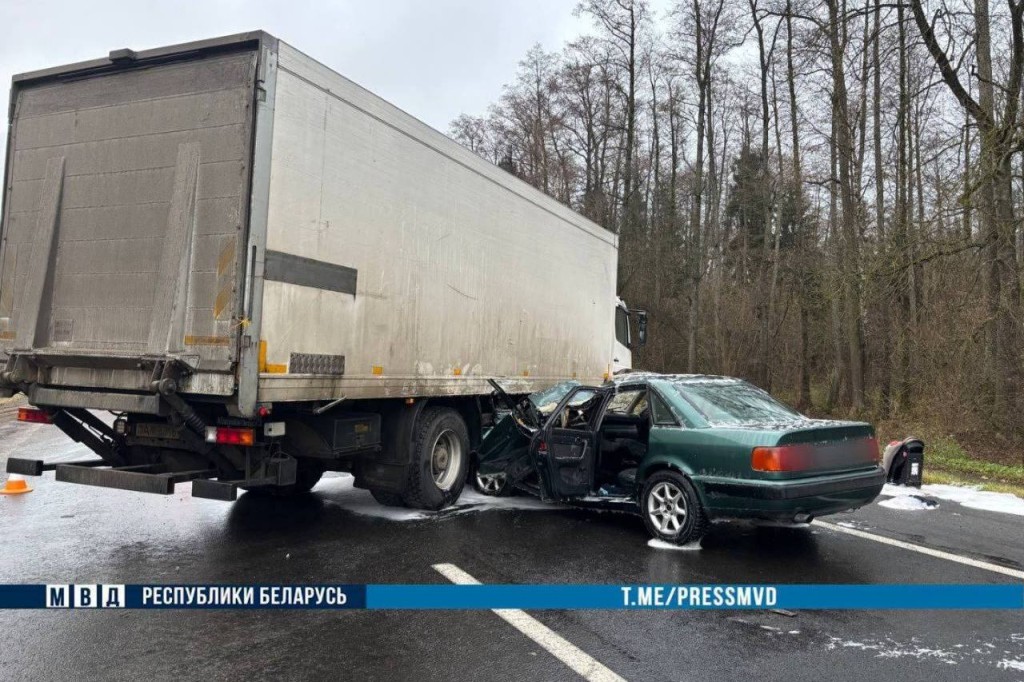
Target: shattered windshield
734	403
547	400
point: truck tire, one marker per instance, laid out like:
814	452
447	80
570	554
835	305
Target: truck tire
440	460
671	508
387	499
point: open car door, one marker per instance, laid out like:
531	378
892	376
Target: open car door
565	450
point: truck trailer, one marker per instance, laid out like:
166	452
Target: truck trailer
263	272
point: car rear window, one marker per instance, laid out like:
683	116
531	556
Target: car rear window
734	403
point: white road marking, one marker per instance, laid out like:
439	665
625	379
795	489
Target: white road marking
556	645
967	561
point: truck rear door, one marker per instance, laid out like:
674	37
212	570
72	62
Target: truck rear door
125	215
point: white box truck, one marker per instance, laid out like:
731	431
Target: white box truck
265	272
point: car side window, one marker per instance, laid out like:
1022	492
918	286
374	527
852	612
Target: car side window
640	406
622	402
660	411
580	411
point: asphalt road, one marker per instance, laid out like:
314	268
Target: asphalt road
62	533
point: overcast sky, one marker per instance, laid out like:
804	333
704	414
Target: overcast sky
433	58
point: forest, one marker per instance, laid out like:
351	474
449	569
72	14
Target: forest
822	196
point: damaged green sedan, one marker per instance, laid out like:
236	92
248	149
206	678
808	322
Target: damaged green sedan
680	450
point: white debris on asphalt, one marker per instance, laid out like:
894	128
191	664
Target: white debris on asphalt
661	544
908	503
340	490
977	652
967	496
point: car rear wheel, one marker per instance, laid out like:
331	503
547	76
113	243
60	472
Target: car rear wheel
671	509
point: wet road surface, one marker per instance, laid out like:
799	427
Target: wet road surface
62	533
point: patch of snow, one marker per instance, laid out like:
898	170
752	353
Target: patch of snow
908	503
967	496
794	632
661	544
340	490
892	649
1007	664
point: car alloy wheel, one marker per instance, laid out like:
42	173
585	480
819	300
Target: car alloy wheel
493	484
667	508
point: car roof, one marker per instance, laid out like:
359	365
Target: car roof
644	377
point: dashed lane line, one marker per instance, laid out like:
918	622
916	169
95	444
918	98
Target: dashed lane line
580	661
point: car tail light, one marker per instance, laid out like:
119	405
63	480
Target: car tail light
781	458
803	457
871	450
33	416
227	435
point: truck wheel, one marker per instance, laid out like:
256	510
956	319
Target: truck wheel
387	499
440	460
671	509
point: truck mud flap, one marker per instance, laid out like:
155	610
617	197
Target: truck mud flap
144	478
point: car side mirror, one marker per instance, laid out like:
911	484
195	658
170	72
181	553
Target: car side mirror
641	331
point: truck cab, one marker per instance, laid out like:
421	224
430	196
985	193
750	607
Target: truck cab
624	342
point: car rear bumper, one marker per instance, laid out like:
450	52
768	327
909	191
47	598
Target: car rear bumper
787	499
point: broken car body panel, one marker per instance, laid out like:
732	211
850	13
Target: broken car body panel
602	443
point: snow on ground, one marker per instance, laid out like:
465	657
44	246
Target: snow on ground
909	503
340	490
964	495
1007	664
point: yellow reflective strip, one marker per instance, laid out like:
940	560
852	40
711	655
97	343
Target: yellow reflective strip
227	257
277	369
263	355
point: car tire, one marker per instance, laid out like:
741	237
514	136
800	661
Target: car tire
440	460
387	499
671	508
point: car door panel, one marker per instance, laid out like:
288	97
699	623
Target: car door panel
567	457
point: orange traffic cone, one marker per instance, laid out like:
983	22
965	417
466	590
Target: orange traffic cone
16	485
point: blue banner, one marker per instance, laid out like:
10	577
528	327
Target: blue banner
530	597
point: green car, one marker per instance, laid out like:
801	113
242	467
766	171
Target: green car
680	450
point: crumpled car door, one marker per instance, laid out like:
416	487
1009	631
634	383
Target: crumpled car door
566	450
506	447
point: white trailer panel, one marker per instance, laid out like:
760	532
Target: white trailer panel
461	271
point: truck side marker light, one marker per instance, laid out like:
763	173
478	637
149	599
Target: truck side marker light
16	485
377	370
457	371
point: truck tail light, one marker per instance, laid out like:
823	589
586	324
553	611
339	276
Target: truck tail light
33	416
228	435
